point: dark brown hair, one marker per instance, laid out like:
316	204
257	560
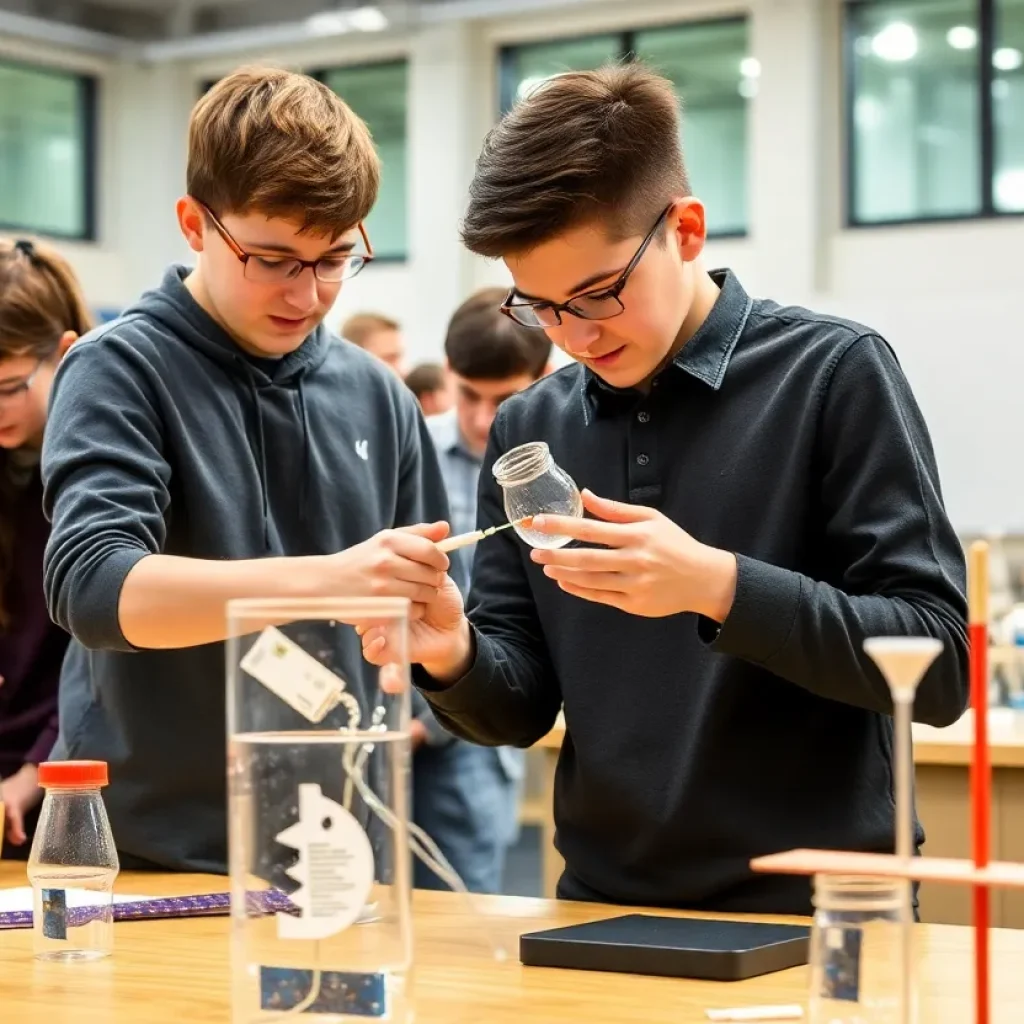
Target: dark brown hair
484	344
584	147
360	327
426	378
40	299
285	145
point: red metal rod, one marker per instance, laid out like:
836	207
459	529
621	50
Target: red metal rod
981	770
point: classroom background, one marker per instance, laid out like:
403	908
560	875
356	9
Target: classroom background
863	157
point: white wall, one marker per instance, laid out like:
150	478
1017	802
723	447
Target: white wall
948	297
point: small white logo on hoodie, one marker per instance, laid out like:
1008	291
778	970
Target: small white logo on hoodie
363	450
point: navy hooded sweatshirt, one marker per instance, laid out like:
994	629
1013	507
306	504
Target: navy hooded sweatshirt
164	437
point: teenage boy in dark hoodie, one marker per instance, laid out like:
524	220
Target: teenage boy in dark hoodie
216	442
763	496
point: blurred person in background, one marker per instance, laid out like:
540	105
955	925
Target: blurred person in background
430	384
42	312
380	336
467	796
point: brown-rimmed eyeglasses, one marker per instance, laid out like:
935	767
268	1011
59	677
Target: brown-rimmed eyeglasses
279	269
601	304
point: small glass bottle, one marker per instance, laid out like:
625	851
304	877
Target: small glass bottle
73	864
534	484
857	951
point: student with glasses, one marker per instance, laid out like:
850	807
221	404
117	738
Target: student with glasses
762	497
42	313
216	441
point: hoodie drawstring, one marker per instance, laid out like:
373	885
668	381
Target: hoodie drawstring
261	454
306	456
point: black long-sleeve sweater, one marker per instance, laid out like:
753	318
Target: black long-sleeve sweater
793	440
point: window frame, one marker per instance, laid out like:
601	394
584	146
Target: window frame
986	14
88	107
626	51
320	73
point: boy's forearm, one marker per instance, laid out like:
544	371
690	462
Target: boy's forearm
171	602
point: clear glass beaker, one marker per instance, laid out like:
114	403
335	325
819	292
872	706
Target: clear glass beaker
318	772
533	483
857	951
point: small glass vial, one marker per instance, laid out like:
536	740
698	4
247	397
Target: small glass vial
73	864
858	947
534	484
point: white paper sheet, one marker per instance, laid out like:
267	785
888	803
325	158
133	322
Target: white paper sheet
12	900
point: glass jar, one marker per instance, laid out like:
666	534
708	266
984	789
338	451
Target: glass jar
861	970
318	811
534	484
73	864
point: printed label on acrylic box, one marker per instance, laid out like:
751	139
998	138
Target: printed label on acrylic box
334	870
284	668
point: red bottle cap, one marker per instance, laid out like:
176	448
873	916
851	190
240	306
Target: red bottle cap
72	774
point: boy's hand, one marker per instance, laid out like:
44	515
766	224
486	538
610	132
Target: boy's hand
19	793
648	566
438	640
393	563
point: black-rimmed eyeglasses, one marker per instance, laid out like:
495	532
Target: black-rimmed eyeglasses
602	304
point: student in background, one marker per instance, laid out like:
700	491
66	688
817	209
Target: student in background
380	336
430	384
42	312
467	796
217	442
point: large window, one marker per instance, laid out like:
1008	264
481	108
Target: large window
1008	108
47	126
378	94
709	65
935	109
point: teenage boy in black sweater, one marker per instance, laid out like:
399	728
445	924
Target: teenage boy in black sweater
762	494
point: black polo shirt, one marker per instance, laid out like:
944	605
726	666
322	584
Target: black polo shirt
793	440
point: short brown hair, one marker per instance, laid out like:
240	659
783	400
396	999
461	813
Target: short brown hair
285	145
484	344
360	327
426	378
585	146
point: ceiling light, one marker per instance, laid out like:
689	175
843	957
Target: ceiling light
334	23
750	67
896	42
748	88
368	19
1007	58
962	37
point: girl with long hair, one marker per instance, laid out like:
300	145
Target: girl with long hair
42	312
